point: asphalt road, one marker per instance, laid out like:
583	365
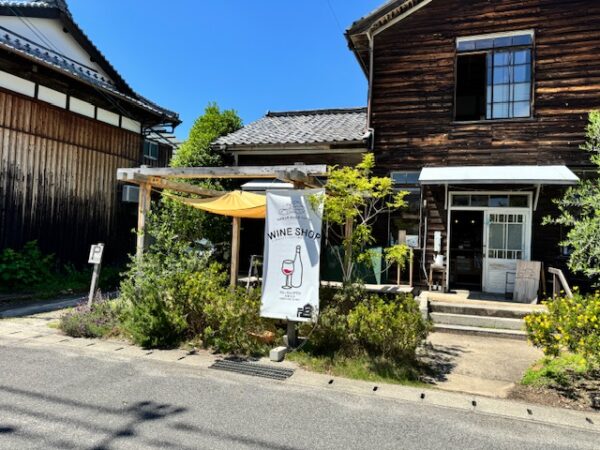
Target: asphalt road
58	398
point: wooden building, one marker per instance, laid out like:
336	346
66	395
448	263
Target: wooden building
68	120
483	105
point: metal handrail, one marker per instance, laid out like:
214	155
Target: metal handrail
558	274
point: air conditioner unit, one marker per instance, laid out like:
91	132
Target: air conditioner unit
131	194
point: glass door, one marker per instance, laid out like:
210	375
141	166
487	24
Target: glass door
507	239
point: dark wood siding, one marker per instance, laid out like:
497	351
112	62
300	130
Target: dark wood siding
58	179
413	91
413	98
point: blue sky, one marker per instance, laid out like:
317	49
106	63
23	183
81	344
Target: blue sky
252	56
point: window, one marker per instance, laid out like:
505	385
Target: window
150	150
491	201
494	77
406	218
506	236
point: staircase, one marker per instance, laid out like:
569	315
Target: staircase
487	318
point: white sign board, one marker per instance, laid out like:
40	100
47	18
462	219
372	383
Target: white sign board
292	253
96	254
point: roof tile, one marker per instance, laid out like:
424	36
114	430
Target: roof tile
301	127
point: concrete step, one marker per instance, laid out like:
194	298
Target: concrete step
479	310
478	321
489	332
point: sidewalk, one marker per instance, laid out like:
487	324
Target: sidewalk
27	306
34	331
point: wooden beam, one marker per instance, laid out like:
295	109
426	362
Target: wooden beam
177	186
143	210
220	172
298	177
235	250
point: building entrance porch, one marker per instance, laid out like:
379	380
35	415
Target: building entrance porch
488	233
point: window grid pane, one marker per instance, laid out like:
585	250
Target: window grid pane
509	84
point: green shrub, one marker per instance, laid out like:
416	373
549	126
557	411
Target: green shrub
24	268
392	329
234	324
99	320
175	293
154	290
571	324
352	323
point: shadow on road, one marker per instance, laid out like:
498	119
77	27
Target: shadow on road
95	421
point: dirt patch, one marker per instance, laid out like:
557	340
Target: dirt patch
580	392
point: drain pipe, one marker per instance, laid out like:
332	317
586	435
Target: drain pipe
371	38
424	256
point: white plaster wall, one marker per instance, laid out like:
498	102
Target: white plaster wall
51	30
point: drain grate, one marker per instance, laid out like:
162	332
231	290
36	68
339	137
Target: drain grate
256	370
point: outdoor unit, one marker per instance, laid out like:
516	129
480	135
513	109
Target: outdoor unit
131	194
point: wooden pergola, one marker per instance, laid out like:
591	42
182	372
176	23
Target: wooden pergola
174	179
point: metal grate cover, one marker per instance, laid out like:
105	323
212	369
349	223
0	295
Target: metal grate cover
256	370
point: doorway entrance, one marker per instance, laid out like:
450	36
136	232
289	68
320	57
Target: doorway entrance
488	233
466	250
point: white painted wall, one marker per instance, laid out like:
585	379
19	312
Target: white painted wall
81	107
51	96
51	30
17	84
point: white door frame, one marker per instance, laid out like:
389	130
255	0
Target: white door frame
528	211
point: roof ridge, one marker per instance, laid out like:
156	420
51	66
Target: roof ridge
315	112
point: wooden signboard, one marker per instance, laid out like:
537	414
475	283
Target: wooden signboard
527	281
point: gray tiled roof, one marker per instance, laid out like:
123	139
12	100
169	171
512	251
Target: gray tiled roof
302	127
33	50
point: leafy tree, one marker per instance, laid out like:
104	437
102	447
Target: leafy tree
189	224
354	199
196	150
579	210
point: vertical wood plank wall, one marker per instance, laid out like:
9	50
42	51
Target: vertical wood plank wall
58	179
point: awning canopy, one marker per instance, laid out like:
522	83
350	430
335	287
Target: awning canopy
244	205
498	175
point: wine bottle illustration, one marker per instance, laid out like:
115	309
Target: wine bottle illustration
298	269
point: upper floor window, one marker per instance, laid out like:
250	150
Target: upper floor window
494	77
150	150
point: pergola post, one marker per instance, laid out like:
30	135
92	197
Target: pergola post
143	210
235	250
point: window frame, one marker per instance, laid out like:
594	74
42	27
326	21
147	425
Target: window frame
457	54
150	144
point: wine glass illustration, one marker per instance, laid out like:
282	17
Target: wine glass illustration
287	268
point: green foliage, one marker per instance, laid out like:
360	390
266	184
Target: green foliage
175	293
389	329
196	150
355	198
190	224
579	211
99	320
234	324
25	268
361	367
29	270
156	290
571	324
352	323
555	371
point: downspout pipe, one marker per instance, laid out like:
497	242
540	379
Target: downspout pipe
371	39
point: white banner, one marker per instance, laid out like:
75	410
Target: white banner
291	259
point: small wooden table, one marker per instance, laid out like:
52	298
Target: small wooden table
434	268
